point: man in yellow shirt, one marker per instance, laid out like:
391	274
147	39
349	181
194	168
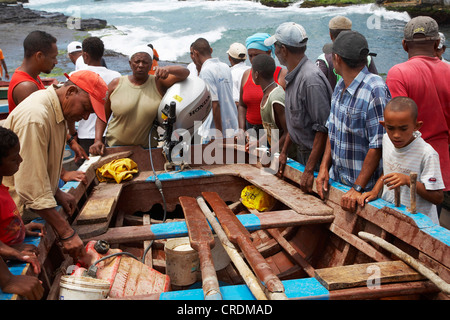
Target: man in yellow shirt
41	125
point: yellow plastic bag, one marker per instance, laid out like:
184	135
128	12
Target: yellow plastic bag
117	170
255	198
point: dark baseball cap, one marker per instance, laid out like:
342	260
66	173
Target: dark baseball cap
351	45
426	26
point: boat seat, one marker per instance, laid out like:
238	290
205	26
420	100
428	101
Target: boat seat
98	209
367	274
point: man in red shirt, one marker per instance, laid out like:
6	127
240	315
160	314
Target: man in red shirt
426	79
40	52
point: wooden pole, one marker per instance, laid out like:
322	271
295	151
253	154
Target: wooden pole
246	273
412	187
397	197
441	284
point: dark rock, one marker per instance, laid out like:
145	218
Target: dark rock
18	14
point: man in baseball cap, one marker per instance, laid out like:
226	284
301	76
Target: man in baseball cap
290	34
351	45
75	54
308	94
324	61
40	122
237	51
421	28
441	47
237	54
424	78
94	85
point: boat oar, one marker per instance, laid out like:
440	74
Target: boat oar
202	240
246	273
441	284
237	233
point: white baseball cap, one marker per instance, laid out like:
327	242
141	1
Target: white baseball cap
442	42
74	46
238	51
290	34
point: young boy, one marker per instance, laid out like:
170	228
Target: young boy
272	102
404	151
12	228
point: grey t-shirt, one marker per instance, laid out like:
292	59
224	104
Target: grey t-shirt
308	100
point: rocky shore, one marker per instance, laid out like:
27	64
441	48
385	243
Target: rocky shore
16	22
16	13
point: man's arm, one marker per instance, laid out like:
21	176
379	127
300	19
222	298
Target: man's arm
168	76
217	117
27	286
98	147
324	176
23	90
319	144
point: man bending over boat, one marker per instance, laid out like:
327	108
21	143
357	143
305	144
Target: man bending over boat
40	122
134	100
355	135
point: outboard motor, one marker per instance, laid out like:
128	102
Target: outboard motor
183	104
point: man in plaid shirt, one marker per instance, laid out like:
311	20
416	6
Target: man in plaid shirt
355	135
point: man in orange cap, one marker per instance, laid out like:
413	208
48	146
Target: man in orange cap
41	125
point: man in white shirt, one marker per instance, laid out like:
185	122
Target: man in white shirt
74	52
217	76
237	54
93	49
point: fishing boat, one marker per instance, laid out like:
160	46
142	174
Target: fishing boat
299	248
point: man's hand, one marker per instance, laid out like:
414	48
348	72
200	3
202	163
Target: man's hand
322	182
79	151
29	287
349	200
66	201
97	148
394	179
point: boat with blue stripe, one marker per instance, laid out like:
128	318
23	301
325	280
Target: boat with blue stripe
314	249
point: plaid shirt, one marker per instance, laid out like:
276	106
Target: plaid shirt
354	128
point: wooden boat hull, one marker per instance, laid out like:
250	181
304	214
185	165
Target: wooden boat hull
302	239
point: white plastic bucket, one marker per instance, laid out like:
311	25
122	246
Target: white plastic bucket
182	262
82	288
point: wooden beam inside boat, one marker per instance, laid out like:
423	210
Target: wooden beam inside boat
252	222
358	275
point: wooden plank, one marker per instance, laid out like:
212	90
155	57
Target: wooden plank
301	261
97	210
385	291
359	244
148	258
252	222
281	190
361	274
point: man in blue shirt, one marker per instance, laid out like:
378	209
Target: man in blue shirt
353	152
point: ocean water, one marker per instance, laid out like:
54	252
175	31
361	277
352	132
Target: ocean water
171	25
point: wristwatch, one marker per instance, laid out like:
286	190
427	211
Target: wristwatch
358	188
